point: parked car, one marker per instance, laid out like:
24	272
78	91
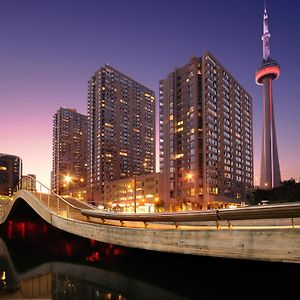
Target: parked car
263	202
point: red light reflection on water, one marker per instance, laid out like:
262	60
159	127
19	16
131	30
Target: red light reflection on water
93	257
20	229
50	239
9	230
23	230
93	242
104	253
69	249
45	228
117	251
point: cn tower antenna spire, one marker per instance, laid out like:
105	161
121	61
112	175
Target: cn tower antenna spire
266	35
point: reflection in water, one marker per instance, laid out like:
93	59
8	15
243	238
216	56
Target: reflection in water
66	281
38	261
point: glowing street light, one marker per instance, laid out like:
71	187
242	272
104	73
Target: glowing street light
68	180
189	176
134	192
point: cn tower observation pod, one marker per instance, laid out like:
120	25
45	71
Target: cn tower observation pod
269	68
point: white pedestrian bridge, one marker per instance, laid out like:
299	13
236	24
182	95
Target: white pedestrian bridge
267	233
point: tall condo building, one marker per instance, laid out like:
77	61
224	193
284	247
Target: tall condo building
121	132
206	151
266	73
69	159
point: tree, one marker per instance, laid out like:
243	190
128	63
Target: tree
288	191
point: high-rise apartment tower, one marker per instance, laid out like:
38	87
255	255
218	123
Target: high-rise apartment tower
206	154
121	132
69	159
266	73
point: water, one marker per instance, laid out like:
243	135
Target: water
38	261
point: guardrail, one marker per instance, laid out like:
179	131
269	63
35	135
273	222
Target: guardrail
290	211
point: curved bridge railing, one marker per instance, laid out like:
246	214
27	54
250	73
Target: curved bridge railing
69	208
279	211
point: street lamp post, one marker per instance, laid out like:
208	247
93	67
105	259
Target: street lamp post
134	192
190	181
68	180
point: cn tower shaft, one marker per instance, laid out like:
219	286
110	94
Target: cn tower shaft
270	170
267	72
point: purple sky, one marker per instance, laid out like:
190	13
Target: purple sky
49	50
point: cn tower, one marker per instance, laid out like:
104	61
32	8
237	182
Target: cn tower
266	73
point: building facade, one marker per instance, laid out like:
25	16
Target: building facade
206	150
137	194
69	158
121	132
29	182
10	174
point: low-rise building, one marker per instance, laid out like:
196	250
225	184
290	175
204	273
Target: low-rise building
29	182
140	194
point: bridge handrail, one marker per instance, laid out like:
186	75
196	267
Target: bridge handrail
284	210
59	200
291	210
49	190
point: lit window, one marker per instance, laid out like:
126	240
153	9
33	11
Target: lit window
179	155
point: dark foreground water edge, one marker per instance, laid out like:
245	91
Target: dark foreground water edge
37	261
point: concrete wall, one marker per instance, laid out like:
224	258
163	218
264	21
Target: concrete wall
265	244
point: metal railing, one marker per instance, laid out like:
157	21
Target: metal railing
54	202
277	211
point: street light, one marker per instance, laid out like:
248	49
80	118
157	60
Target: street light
68	180
134	192
192	194
189	176
128	189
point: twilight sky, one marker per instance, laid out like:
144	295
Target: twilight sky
49	50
